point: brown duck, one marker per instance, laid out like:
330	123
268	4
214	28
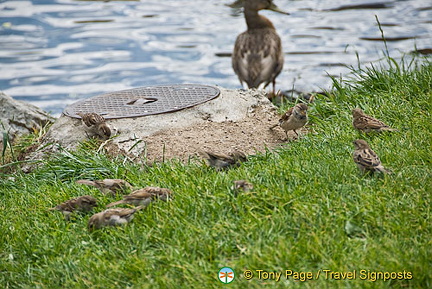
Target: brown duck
258	56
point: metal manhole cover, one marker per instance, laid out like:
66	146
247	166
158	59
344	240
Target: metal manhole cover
144	101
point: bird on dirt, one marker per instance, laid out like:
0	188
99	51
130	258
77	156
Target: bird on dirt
258	56
295	118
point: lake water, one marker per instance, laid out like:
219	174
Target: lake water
53	53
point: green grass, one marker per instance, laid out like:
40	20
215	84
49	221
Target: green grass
304	196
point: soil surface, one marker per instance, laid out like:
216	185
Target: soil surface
250	135
236	120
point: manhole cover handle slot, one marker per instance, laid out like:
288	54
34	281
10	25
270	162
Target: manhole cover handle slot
141	101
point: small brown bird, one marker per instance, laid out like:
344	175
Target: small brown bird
242	186
143	197
222	161
82	204
95	124
366	159
296	117
108	186
366	123
112	217
91	119
102	130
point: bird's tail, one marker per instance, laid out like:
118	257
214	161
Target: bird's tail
86	182
115	204
203	154
388	129
140	207
383	170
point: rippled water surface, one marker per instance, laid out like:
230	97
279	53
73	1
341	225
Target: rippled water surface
53	53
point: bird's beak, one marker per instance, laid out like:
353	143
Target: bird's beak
274	8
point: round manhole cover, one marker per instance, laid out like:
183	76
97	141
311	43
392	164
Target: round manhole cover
144	101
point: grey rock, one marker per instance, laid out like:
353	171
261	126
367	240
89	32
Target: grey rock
18	117
132	135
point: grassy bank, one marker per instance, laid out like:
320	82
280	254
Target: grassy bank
311	210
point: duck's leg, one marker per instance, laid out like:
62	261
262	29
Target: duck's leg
272	94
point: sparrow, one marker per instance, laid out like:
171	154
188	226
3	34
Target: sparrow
354	231
91	119
107	186
295	118
82	204
222	161
143	197
366	159
111	217
366	123
95	124
102	130
242	185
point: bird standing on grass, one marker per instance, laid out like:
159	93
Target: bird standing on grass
221	161
112	217
241	186
143	197
366	159
107	186
258	56
95	124
82	204
295	118
367	123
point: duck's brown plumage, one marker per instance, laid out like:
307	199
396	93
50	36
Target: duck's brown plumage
258	56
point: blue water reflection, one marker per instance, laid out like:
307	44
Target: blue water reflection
55	52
